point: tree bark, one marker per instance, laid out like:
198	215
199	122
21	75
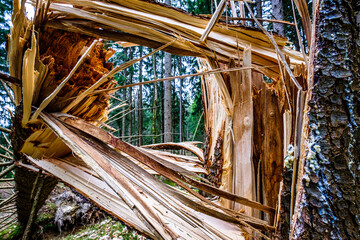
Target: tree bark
258	9
329	197
162	101
140	115
155	102
123	124
278	13
130	99
181	104
167	97
24	178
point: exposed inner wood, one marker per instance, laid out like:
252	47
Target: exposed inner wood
249	122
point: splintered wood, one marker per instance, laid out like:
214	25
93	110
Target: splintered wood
244	175
257	132
60	50
157	203
152	24
63	68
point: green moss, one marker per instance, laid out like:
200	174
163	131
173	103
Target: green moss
108	228
11	232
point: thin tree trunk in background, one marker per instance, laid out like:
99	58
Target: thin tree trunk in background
258	9
233	10
181	104
167	97
329	197
130	99
278	13
135	120
123	128
155	100
140	111
162	101
119	95
173	93
242	12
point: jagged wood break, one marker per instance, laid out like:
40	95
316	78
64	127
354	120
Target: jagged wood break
245	144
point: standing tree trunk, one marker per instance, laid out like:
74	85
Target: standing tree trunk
140	115
130	98
155	101
181	124
329	197
167	97
258	9
123	129
162	101
278	13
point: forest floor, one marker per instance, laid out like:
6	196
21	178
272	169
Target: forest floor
67	215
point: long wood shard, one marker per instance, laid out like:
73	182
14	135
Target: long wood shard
107	161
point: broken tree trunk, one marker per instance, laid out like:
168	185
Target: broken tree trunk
124	173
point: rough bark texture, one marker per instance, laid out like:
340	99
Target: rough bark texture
258	9
217	164
283	228
130	99
167	100
24	179
278	13
167	96
123	119
140	111
329	204
181	121
155	103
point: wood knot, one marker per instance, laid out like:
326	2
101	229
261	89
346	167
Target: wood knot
247	121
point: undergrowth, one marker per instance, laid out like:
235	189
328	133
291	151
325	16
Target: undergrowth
106	230
10	232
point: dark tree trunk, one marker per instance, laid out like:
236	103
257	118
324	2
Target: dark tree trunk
181	122
258	9
162	101
167	97
24	178
329	200
140	115
123	125
130	99
167	101
155	103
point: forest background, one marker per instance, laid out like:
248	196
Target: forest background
164	111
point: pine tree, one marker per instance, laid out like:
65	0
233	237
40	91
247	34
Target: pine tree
6	101
140	98
278	13
167	97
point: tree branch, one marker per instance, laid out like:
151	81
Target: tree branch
7	78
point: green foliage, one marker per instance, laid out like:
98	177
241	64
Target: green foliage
196	115
199	6
191	92
107	229
11	232
5	11
5	102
